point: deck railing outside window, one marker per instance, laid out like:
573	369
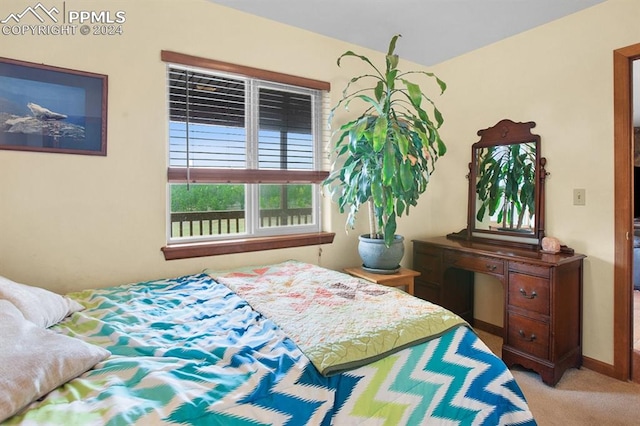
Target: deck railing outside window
190	224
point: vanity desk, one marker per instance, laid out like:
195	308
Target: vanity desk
504	238
542	297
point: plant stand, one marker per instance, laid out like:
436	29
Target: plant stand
403	278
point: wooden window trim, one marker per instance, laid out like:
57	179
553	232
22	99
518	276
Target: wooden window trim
202	175
196	61
216	248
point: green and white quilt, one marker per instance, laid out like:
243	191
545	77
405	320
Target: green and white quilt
338	321
191	351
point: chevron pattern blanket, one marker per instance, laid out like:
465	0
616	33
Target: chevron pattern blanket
189	351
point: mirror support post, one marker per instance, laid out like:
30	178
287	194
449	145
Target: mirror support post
540	205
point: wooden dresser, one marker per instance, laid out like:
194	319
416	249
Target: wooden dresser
543	297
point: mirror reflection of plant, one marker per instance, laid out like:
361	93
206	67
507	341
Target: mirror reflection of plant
506	183
388	152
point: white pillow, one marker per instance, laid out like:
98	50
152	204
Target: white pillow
34	361
42	307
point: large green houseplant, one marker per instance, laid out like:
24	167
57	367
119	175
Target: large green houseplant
385	155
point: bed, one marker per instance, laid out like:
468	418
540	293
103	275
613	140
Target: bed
283	344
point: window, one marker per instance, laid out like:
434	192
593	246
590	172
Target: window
244	155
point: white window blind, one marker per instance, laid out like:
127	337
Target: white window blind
207	120
223	122
286	130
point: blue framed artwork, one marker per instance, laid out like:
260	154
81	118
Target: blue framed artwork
51	109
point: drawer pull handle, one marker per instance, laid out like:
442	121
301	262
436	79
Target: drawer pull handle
524	294
529	339
491	267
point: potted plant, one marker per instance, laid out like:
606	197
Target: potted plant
385	155
506	185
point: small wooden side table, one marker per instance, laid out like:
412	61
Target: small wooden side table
402	278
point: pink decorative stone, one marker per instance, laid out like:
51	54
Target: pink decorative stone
551	244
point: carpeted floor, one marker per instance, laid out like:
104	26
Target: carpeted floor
582	397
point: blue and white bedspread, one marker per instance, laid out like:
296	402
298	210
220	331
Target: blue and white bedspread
189	351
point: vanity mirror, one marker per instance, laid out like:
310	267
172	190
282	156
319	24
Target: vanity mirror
506	186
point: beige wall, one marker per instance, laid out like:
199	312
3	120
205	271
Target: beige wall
560	76
71	222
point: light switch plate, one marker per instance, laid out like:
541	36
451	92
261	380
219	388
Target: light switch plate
579	197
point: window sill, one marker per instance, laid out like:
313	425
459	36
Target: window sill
216	248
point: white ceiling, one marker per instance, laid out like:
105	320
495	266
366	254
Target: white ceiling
432	30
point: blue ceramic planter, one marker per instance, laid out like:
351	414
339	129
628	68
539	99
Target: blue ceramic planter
378	258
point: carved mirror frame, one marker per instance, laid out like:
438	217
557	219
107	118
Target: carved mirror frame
506	133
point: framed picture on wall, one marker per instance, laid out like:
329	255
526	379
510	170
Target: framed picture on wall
50	109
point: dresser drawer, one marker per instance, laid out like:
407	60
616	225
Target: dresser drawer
474	263
528	335
527	268
529	292
428	261
427	291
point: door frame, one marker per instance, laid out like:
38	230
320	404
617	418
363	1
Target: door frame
623	214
